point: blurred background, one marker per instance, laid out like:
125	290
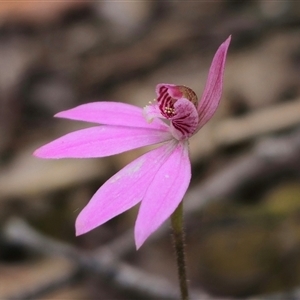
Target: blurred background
242	211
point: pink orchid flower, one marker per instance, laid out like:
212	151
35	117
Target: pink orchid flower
158	179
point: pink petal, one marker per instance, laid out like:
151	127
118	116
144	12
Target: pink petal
122	191
185	122
151	112
101	141
213	90
164	193
111	113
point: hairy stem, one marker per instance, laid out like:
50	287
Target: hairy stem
178	238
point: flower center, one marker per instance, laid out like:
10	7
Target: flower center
169	94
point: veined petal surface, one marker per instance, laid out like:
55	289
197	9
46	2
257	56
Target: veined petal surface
124	190
111	113
185	122
101	141
213	90
164	193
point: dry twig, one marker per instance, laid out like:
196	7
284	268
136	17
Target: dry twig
120	275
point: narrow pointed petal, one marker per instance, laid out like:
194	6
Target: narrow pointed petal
122	191
213	90
101	141
164	193
111	113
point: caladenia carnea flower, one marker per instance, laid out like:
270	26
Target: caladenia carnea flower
158	179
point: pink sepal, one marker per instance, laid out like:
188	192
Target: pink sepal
101	141
213	90
111	113
165	192
124	190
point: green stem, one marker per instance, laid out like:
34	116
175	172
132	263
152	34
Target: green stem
178	238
